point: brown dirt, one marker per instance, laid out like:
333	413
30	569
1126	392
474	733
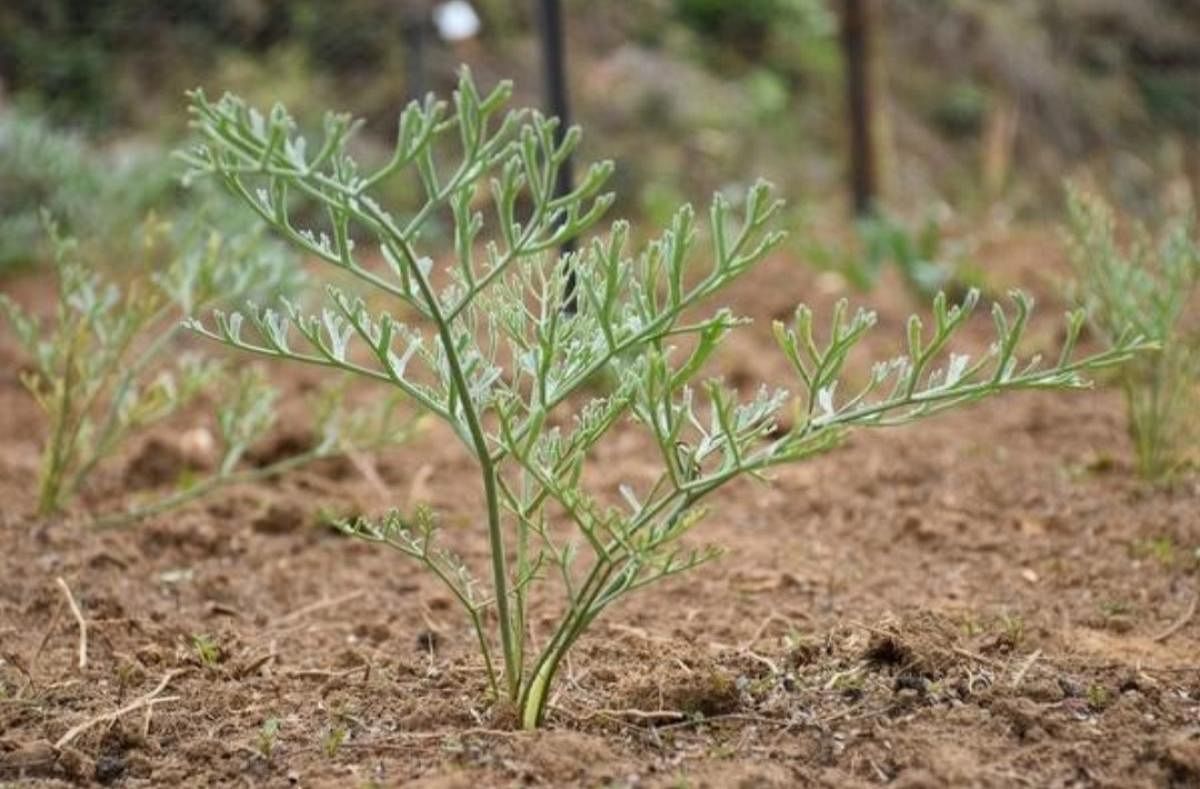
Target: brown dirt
969	602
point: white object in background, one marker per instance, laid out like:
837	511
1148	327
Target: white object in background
456	20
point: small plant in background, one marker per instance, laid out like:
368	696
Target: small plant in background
268	737
918	255
246	412
493	351
206	650
104	367
1154	288
927	262
334	739
39	169
1098	697
1161	549
100	367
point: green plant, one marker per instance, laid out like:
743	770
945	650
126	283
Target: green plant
750	26
1098	697
927	263
1154	288
334	739
93	194
207	650
1013	626
268	737
98	369
961	108
39	169
105	368
1162	549
493	351
246	412
920	257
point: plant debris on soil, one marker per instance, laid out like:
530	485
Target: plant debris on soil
988	599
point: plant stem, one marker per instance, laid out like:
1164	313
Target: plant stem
512	660
534	695
49	493
108	432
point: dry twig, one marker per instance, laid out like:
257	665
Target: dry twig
987	661
644	715
142	701
66	590
1179	623
318	673
19	664
255	664
1021	672
317	606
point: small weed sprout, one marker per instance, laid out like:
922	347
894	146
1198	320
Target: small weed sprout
268	736
492	348
1154	288
1098	697
334	738
206	649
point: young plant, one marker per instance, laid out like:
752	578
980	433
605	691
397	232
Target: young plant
491	348
268	737
98	368
1154	288
206	650
104	368
919	256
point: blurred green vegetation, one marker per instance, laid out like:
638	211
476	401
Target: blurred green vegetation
983	102
92	193
1153	285
924	255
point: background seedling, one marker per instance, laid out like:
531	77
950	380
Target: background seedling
106	368
102	368
1154	287
334	738
207	651
268	735
926	261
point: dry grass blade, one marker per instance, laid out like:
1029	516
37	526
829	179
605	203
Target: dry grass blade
142	701
300	613
1182	621
1024	669
78	614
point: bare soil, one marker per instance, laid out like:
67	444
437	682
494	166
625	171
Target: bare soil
986	599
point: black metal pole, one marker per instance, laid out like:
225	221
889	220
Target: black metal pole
857	60
416	27
554	70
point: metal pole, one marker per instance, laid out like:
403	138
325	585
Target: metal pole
416	27
857	56
554	70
